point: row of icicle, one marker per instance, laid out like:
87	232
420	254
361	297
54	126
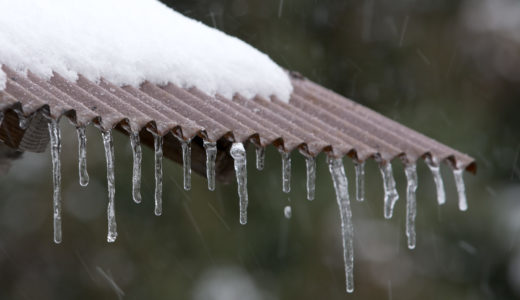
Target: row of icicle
238	154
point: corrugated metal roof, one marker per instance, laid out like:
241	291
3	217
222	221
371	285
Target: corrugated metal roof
315	120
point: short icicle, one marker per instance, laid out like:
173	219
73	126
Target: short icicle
82	154
136	170
411	204
108	144
391	195
461	189
238	153
186	163
260	158
434	166
55	140
158	144
287	212
360	180
337	172
310	164
211	156
286	171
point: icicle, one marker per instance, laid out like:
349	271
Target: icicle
391	195
82	161
434	166
136	170
211	156
158	144
286	171
461	189
411	204
239	155
310	163
337	172
108	143
360	180
287	211
186	163
260	158
55	138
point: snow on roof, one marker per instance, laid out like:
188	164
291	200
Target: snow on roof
129	42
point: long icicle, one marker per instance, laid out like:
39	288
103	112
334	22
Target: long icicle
108	144
238	153
360	180
137	152
286	171
158	144
461	189
186	163
211	156
337	172
55	139
310	164
260	158
434	166
391	195
411	203
82	154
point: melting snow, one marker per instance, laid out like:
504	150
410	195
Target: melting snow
128	42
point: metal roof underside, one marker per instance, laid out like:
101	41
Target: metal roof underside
315	120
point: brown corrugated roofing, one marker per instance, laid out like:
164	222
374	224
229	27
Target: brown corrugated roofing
315	120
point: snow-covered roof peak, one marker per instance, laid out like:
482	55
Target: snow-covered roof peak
130	41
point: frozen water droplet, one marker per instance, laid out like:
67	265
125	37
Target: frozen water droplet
434	166
461	189
238	153
287	212
286	171
108	144
260	158
82	161
211	156
310	164
391	195
136	169
55	140
339	179
158	144
411	204
186	163
360	180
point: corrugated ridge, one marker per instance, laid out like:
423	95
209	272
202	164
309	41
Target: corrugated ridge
315	120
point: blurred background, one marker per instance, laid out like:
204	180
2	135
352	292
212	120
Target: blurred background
449	69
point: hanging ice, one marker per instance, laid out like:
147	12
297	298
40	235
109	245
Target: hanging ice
186	163
411	204
55	138
158	143
260	158
360	180
461	189
310	164
239	156
391	195
434	166
286	171
287	211
337	171
82	161
211	156
136	170
108	144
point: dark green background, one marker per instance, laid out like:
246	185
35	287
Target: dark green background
418	62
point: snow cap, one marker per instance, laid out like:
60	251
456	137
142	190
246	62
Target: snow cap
128	42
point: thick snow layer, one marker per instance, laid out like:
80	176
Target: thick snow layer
130	41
